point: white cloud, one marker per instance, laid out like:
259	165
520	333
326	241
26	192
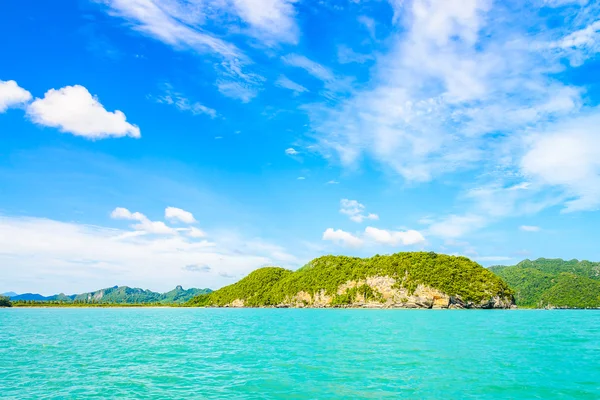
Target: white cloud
333	182
586	37
123	213
454	226
394	238
174	23
530	228
237	90
182	103
144	225
568	157
73	109
196	233
182	24
355	211
272	20
346	55
50	256
369	24
291	151
177	214
342	238
301	178
313	68
12	95
450	94
287	83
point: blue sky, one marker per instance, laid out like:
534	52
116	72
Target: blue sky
161	142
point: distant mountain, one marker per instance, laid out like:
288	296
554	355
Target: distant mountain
36	297
553	282
119	294
9	294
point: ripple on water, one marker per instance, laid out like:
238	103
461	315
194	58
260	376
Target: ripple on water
298	354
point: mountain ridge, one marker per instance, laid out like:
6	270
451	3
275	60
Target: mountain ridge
117	295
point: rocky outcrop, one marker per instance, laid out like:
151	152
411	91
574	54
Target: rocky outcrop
385	292
237	303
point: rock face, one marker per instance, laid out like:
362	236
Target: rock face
383	292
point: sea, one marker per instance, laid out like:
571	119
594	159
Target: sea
195	353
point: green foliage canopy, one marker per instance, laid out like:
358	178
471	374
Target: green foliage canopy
553	282
455	276
5	301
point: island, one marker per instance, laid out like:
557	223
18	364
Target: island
402	280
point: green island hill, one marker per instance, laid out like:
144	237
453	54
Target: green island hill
401	280
113	296
553	283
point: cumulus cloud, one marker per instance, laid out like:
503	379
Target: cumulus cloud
355	211
51	256
144	224
341	237
74	110
291	151
175	214
12	95
372	236
394	238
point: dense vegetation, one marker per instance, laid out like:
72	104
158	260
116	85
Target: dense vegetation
455	276
116	295
5	301
553	282
255	289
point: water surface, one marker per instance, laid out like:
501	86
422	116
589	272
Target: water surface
158	353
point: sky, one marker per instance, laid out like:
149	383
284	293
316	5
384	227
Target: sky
155	143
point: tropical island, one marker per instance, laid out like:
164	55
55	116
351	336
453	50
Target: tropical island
402	280
553	283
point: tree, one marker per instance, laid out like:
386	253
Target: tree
5	301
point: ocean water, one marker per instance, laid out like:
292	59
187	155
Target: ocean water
179	353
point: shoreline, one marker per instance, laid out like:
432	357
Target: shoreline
316	308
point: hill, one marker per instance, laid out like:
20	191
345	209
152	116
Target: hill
118	295
553	283
34	297
403	280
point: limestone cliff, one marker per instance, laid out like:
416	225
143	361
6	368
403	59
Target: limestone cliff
383	293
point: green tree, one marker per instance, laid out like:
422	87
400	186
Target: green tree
5	301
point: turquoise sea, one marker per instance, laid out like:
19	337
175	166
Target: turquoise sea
180	353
